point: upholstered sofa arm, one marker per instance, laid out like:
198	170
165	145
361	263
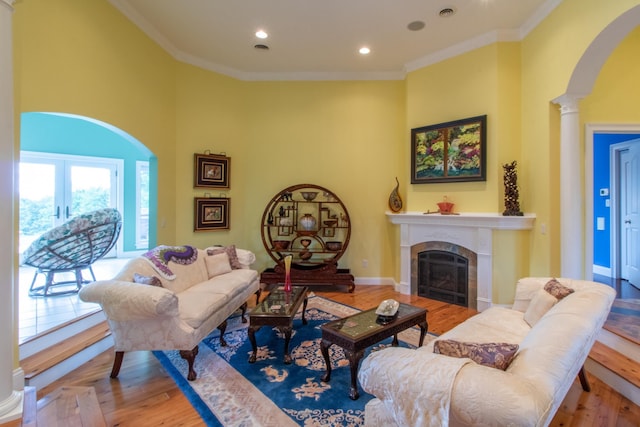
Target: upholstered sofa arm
399	377
124	301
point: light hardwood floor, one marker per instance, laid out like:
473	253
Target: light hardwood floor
145	395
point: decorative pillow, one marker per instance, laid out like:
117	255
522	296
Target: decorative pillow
494	355
146	280
231	252
557	289
217	264
539	305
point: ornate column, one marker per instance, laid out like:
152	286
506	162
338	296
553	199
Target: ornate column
571	192
10	399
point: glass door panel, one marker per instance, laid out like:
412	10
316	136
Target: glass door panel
90	190
38	211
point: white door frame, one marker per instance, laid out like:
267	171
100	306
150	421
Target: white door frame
590	130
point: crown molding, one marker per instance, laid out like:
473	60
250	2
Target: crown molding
449	52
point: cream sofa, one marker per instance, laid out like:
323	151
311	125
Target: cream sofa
420	388
194	293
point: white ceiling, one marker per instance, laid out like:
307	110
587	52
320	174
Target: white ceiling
319	39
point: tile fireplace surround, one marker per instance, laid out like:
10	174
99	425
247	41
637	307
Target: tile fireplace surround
473	231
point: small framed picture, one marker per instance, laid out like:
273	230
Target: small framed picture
211	171
211	214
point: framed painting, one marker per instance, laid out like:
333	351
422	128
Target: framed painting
449	152
211	171
211	213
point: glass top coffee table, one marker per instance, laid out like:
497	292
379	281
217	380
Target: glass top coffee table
277	310
357	332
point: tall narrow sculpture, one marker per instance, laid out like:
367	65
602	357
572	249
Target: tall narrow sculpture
511	196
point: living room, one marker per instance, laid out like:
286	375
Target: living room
351	136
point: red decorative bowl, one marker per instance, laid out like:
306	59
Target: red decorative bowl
445	207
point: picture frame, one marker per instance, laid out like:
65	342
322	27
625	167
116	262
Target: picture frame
211	171
211	213
449	152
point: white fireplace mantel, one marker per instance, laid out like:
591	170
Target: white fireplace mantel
470	230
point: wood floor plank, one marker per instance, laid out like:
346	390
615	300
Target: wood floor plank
144	393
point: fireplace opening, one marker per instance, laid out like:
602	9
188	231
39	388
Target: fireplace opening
443	276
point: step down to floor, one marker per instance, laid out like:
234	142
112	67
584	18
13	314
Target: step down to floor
70	406
616	362
56	355
617	370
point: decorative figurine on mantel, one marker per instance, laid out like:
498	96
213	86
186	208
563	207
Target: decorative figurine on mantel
511	196
395	201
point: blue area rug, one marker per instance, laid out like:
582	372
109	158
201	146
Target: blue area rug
229	391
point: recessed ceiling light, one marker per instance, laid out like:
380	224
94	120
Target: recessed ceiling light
447	12
261	34
364	50
416	25
261	47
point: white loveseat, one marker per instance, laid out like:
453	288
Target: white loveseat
172	297
551	353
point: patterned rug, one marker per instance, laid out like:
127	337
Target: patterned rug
229	391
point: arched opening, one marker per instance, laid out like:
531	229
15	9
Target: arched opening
576	207
69	165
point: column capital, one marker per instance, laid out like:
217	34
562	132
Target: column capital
568	103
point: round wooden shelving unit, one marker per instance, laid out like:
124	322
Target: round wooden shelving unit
310	223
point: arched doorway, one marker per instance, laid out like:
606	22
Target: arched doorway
576	202
66	156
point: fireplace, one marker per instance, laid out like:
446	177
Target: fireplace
445	272
469	235
443	276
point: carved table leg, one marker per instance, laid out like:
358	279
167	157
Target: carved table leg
304	308
222	327
395	343
354	361
324	349
424	326
286	330
190	357
252	338
352	287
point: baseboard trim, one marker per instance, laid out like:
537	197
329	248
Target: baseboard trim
374	281
602	271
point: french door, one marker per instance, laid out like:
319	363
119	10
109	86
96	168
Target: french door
56	188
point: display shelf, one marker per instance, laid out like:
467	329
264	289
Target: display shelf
311	224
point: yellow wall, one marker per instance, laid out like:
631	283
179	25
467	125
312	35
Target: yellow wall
84	57
352	137
338	135
616	92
